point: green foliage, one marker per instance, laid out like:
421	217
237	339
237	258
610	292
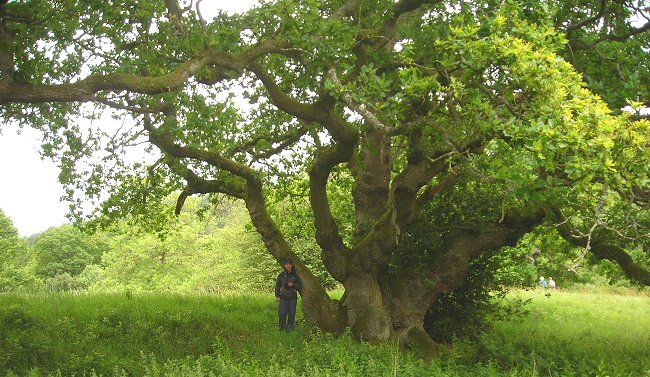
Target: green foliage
17	264
470	311
63	282
614	68
65	250
216	254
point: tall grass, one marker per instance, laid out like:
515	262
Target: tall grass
566	334
85	333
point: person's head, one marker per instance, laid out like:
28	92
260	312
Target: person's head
541	278
287	264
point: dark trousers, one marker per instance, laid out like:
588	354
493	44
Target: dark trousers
287	308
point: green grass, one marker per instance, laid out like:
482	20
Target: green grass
571	333
579	334
85	333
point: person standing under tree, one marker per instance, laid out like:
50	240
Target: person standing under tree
286	294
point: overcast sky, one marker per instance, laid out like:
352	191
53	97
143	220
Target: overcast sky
29	190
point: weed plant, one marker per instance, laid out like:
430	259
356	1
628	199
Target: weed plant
566	334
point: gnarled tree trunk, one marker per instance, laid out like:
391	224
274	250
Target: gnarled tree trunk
415	290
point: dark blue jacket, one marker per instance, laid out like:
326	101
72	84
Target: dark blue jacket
282	288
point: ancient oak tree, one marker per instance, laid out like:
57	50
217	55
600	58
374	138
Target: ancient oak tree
478	120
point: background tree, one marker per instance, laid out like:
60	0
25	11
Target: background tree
64	250
209	252
414	101
16	261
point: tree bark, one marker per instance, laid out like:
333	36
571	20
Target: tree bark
372	174
367	310
413	290
318	308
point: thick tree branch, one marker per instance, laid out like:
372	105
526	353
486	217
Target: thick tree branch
228	184
413	293
420	170
158	137
335	252
601	248
284	102
434	190
84	90
7	70
622	37
407	184
585	22
450	268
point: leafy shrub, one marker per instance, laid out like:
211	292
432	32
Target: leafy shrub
63	282
468	311
90	276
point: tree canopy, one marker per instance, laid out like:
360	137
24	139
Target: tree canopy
477	120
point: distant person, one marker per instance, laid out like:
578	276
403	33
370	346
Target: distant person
551	283
286	294
542	282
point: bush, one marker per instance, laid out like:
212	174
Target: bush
63	282
91	275
468	311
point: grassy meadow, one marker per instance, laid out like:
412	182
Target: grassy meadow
565	334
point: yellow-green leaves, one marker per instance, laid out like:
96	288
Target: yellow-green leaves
507	78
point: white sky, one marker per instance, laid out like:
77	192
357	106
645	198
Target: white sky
29	189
